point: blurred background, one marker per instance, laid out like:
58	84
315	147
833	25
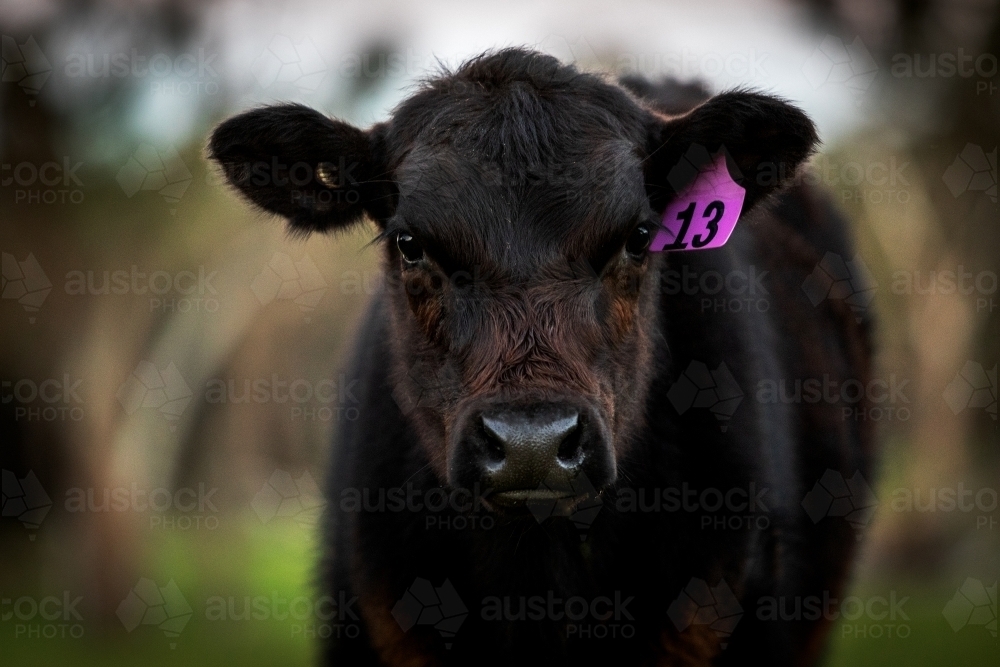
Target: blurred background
168	358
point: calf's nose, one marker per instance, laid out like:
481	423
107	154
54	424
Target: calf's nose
528	447
523	452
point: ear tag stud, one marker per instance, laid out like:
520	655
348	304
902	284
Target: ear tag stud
704	215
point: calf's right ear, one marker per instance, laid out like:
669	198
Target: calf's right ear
765	138
318	173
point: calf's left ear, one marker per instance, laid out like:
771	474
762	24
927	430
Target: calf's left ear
764	138
316	172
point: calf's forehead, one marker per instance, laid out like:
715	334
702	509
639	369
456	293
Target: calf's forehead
504	214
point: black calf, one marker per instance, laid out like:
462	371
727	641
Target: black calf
562	455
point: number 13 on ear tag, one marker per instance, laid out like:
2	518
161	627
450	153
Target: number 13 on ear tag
704	215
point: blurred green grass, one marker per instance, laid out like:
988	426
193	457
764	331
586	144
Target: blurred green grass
254	560
929	640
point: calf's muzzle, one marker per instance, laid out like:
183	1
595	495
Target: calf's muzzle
536	451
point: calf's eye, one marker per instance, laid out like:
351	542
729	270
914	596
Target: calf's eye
409	248
638	241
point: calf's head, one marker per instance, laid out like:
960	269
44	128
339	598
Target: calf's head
515	199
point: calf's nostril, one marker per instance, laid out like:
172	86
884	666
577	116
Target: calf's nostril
570	452
493	444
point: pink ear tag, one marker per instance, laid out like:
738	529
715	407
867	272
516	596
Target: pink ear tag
704	215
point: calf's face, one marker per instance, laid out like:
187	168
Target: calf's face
523	321
516	200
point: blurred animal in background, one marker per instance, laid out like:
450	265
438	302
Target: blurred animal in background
529	366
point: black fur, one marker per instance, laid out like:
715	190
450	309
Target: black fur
512	168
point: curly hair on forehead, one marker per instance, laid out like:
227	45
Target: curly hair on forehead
516	108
